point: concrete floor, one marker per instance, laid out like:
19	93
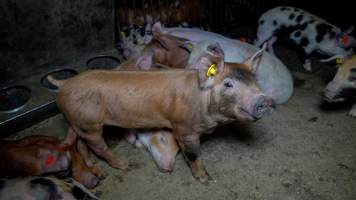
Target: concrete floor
300	152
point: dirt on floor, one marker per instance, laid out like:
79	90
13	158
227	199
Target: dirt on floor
306	150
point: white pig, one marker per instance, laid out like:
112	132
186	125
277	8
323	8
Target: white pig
273	76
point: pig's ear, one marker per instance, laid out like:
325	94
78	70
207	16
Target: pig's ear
144	61
253	61
161	40
157	27
210	65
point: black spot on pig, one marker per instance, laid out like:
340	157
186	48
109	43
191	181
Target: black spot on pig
353	70
296	10
322	30
286	31
301	26
262	21
311	21
291	16
243	76
78	193
299	18
283	8
274	23
47	185
304	42
297	34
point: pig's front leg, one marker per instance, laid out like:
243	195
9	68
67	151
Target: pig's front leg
270	44
305	57
352	112
96	142
190	146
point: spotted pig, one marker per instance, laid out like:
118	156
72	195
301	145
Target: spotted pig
305	29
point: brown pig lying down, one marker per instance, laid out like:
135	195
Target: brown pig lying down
188	102
39	155
162	51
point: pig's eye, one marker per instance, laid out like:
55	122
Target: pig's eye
228	84
164	140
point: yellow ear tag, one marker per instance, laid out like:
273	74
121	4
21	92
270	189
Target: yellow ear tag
190	46
339	61
211	71
122	34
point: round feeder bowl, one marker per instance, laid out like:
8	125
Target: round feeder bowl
61	74
103	62
14	98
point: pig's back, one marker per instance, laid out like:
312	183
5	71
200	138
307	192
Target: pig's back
126	95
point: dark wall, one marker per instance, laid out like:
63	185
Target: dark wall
35	32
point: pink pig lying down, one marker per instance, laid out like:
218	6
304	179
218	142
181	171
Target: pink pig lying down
160	143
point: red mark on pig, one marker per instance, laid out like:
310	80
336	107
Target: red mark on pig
344	39
50	160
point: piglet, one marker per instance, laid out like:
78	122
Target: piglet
343	85
160	143
39	155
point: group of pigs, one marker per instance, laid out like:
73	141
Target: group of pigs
176	85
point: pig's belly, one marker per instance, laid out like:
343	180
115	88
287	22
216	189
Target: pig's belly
273	76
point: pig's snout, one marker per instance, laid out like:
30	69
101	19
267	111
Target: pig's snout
262	106
334	93
328	95
166	169
165	166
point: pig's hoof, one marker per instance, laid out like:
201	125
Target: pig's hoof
202	177
352	113
96	171
307	66
119	164
138	144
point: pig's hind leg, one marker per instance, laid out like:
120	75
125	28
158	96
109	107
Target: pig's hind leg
81	172
352	112
94	138
85	154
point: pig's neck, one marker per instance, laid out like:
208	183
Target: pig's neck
210	115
